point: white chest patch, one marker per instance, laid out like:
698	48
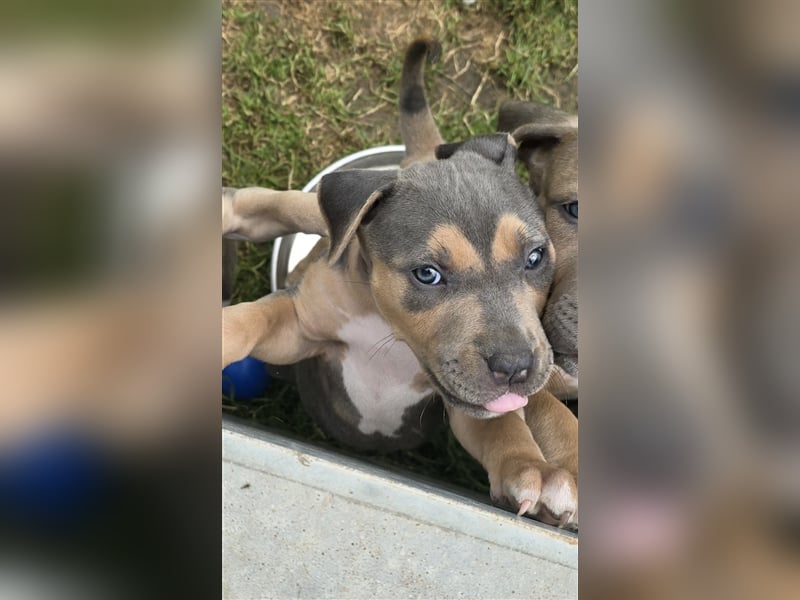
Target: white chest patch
378	373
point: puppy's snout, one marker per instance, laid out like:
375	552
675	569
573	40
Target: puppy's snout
510	367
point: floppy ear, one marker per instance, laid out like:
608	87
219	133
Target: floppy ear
497	147
444	151
536	141
345	197
538	129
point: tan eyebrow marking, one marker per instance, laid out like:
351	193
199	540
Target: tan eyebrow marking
506	244
450	244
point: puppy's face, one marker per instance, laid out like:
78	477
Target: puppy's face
558	197
548	144
457	250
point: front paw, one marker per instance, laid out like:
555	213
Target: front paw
533	487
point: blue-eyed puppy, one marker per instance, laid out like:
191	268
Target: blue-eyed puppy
456	252
446	262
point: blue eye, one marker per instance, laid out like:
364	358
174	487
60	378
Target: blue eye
534	258
427	275
571	208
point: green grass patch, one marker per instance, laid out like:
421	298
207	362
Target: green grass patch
540	61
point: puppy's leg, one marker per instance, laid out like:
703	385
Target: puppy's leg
260	214
518	472
555	429
267	329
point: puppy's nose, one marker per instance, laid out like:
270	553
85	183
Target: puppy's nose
508	367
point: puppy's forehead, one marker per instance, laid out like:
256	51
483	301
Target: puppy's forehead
509	238
449	247
455	208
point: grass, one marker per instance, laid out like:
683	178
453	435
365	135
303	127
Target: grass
306	83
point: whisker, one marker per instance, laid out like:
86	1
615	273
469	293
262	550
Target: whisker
431	400
558	378
380	342
553	371
389	339
389	347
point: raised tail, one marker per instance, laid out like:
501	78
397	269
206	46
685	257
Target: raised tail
420	134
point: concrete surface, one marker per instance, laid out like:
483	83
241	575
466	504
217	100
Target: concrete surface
300	522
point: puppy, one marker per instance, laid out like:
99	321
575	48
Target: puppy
458	234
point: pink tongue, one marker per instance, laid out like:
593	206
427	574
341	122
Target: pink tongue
506	403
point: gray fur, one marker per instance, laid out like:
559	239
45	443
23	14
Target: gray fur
466	190
539	129
337	416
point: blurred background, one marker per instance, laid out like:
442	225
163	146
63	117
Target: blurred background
109	313
690	139
109	289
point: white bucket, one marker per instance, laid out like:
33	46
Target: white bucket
289	250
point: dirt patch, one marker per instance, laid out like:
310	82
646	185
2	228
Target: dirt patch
358	47
459	83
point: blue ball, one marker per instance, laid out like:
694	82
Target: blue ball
55	478
245	379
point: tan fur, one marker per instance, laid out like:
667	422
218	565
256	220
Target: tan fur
423	327
555	429
506	243
513	454
560	183
261	214
453	250
560	383
420	134
284	328
268	329
520	476
530	304
420	139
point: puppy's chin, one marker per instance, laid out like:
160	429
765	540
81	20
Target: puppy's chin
496	405
483	401
473	410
